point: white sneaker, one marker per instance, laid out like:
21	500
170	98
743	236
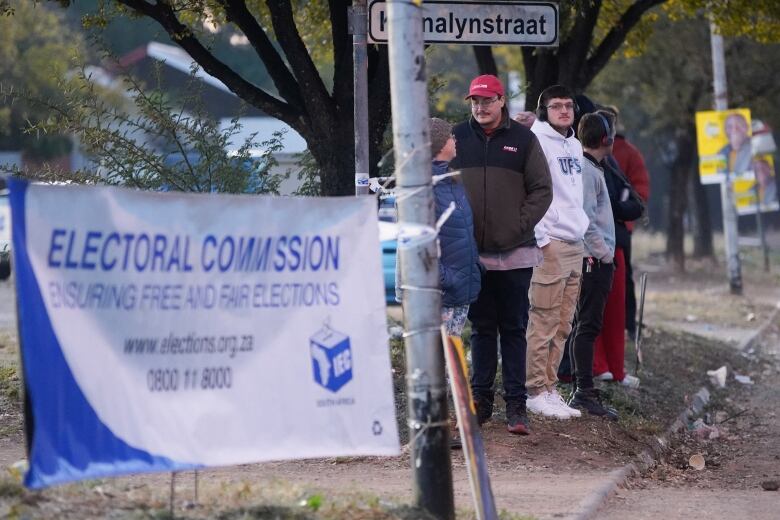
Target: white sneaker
540	404
555	399
604	376
630	381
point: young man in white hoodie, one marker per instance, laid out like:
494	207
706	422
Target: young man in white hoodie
555	283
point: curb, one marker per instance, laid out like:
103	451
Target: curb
750	343
591	504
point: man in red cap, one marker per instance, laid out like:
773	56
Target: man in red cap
508	184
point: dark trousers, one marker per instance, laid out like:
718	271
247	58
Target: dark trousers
588	320
500	310
630	294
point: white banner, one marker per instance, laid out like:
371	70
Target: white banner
199	330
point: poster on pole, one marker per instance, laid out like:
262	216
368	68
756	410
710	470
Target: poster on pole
164	331
723	141
757	191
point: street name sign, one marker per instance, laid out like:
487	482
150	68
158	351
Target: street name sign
477	23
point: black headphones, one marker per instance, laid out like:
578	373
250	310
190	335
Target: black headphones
541	108
608	138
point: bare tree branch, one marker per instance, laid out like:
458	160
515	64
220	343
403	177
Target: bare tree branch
163	14
316	97
575	48
238	13
614	39
342	54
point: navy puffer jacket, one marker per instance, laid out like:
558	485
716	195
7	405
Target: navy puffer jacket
460	272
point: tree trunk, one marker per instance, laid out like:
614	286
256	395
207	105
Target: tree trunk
702	229
335	156
678	189
486	63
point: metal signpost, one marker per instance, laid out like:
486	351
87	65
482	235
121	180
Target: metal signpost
419	263
357	27
406	26
726	189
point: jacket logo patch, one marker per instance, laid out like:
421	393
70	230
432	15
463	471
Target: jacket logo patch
510	149
569	165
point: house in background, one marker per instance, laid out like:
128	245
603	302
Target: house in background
173	67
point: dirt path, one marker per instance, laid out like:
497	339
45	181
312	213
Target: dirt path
547	475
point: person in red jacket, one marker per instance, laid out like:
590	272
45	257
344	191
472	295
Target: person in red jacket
630	160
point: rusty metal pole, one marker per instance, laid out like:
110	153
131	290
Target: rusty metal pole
419	263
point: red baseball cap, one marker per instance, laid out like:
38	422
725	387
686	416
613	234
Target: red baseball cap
486	85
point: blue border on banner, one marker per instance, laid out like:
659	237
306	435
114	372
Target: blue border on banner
69	441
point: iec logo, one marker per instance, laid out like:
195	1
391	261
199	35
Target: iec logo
331	359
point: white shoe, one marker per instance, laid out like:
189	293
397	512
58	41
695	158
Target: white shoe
555	399
540	404
630	381
604	376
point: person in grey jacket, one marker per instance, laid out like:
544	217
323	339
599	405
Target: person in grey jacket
597	134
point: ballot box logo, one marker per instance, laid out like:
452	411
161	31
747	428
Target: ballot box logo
331	358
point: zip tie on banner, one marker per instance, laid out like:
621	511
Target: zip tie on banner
408	191
412	235
379	184
437	178
444	216
416	288
422	427
426	329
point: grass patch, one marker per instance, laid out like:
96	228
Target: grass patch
10	386
10	489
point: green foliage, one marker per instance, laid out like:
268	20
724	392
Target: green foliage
309	175
9	384
758	20
36	49
147	142
314	502
10	489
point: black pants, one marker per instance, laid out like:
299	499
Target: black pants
500	310
596	284
630	293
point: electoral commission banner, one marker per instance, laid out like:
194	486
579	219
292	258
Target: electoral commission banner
171	331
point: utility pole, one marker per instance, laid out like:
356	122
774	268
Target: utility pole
730	230
358	27
419	263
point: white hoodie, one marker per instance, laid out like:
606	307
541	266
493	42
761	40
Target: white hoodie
565	219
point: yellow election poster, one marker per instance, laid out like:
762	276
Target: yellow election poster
760	189
723	139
